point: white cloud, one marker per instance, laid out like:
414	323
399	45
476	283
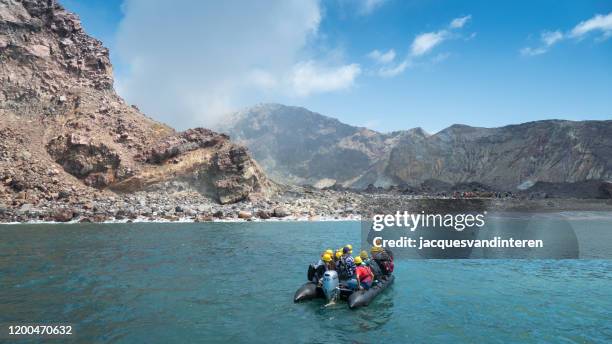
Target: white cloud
422	45
547	39
381	57
368	6
425	42
529	51
391	71
597	23
358	7
551	37
458	23
309	77
190	62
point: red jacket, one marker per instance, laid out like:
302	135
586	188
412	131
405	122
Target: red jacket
364	274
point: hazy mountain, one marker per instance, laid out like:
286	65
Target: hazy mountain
299	146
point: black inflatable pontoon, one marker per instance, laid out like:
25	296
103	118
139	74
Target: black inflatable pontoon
363	297
355	299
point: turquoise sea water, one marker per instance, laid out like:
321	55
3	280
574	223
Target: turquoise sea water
234	282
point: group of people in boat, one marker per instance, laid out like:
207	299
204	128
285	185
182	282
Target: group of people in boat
356	273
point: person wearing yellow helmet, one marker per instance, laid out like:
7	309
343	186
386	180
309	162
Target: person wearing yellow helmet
338	255
375	249
350	247
317	270
363	274
325	264
383	258
378	248
364	257
326	257
330	252
328	262
322	261
346	266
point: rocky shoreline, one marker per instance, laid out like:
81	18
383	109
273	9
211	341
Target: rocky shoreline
179	202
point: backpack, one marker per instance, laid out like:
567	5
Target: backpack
385	262
343	270
387	267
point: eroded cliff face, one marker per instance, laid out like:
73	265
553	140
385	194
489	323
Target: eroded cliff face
509	157
66	134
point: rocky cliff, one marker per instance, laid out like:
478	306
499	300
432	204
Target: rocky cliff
510	157
65	135
298	145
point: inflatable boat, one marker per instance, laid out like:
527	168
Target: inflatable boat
331	287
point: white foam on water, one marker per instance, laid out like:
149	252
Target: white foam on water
191	220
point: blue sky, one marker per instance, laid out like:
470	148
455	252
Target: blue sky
499	63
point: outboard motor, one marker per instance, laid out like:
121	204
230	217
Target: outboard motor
330	284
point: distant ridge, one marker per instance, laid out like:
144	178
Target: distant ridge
296	145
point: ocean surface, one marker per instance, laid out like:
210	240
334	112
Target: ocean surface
234	282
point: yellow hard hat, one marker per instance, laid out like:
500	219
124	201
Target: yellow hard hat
358	260
363	255
338	254
327	257
329	251
375	249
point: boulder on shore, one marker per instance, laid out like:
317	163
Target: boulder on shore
263	214
280	212
245	214
63	215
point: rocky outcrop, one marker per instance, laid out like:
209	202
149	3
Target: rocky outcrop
66	136
586	189
183	142
233	175
296	145
206	160
96	164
